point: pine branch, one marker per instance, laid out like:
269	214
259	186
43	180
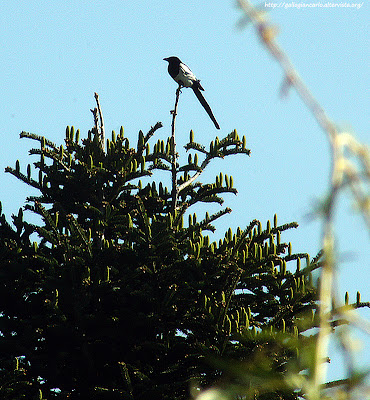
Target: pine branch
196	146
243	237
152	130
285	227
54	155
49	220
208	220
40	139
218	149
159	165
22	177
80	232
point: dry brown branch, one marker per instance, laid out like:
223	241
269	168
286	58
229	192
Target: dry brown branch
343	171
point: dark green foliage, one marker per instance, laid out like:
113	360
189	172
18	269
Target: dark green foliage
120	299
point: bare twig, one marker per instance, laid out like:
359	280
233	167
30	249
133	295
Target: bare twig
174	155
101	129
195	176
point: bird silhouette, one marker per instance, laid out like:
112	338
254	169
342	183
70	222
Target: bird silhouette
184	76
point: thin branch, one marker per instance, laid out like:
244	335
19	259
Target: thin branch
101	130
268	34
174	155
195	176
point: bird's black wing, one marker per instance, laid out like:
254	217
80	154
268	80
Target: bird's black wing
185	76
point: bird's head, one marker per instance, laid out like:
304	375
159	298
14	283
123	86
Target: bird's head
173	60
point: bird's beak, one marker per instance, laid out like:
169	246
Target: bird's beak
165	59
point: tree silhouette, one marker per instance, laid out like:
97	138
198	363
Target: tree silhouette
125	296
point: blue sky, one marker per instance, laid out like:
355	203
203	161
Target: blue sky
55	55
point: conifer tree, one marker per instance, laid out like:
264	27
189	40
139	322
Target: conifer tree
124	296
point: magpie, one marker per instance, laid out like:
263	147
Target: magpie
183	75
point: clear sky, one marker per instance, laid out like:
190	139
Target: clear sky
55	54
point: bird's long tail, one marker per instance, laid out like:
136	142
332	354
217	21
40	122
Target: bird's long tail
206	106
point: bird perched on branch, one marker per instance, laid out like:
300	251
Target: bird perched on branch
183	75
